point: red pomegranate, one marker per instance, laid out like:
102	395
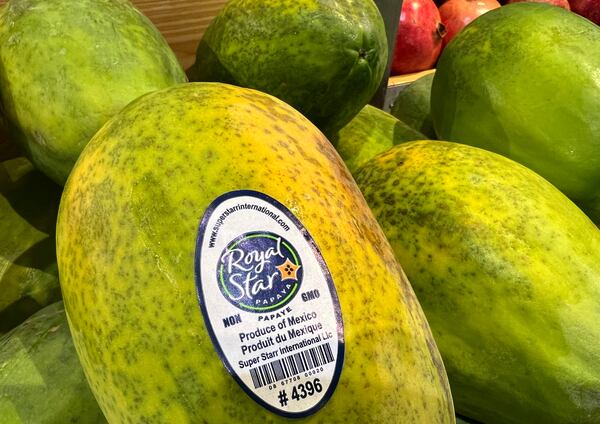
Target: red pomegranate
419	37
587	8
456	14
560	3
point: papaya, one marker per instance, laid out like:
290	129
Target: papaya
325	58
66	67
413	106
520	81
28	272
42	380
219	264
372	131
507	270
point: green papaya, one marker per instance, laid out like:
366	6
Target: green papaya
413	106
507	270
42	381
145	259
522	81
372	131
325	58
67	66
28	271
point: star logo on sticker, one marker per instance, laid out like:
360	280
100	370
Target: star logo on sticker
288	270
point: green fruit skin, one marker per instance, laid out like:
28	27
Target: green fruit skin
371	132
42	381
413	106
126	237
507	270
325	58
523	81
28	271
67	66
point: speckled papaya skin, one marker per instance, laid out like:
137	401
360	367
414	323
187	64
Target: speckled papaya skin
126	237
371	132
507	270
523	81
326	58
67	66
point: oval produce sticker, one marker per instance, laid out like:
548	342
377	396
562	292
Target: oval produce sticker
269	303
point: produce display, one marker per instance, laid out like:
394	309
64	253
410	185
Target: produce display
68	66
260	244
507	270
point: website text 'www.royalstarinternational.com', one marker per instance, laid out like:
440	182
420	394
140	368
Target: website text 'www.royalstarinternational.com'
244	206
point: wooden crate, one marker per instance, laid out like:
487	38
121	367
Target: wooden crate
182	22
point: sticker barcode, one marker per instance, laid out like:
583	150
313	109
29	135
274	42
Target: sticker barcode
291	365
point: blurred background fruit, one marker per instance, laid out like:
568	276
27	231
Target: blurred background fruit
418	38
589	9
456	14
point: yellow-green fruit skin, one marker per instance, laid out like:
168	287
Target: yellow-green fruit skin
507	270
67	66
126	238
